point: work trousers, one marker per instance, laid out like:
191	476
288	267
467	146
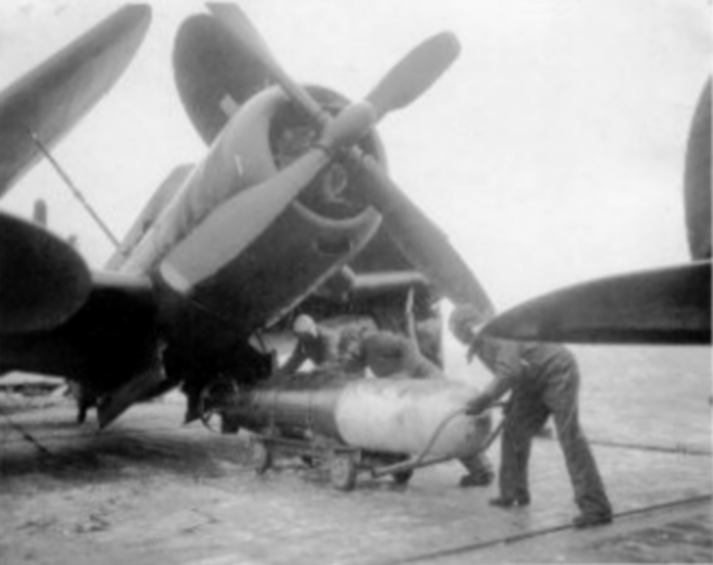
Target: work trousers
530	406
477	463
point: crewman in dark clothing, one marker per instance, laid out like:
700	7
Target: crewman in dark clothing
84	397
325	347
543	379
352	350
387	353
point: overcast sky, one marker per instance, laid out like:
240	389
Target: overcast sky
551	152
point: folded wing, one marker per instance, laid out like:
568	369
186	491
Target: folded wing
52	98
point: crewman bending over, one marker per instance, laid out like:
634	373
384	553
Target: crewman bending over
543	379
388	353
326	348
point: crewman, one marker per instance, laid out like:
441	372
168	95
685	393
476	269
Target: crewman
387	353
325	347
543	379
352	350
84	397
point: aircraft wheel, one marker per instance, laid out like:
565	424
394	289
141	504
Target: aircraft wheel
261	457
342	471
402	477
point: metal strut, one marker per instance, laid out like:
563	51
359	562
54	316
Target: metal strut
75	191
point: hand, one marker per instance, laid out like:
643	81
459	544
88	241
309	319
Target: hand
471	353
476	406
409	301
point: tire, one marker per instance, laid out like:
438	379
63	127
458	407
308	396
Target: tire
402	477
342	471
261	457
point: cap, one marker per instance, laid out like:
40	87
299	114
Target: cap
304	324
465	322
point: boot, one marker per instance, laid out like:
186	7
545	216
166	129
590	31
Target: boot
591	519
478	479
507	502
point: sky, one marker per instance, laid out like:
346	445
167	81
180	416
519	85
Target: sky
551	152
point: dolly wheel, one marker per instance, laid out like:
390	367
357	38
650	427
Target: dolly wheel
342	471
261	457
402	477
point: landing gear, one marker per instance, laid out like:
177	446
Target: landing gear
342	471
212	401
402	477
261	456
84	399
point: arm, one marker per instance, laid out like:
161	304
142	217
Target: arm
298	356
504	360
495	389
410	321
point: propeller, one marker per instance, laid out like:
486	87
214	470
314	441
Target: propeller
418	239
663	306
232	227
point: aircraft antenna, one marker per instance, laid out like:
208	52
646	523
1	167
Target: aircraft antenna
74	190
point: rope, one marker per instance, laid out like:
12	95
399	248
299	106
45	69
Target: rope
27	436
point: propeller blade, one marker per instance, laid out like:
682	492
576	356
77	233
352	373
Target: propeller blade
697	178
230	229
419	239
408	80
663	306
234	20
414	74
43	281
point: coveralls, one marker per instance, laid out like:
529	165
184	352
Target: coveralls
544	380
329	348
387	353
